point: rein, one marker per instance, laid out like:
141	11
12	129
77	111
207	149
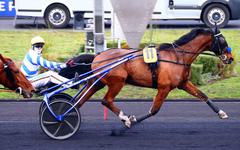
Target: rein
169	61
108	58
188	52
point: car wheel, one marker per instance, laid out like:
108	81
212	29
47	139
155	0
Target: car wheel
57	16
216	13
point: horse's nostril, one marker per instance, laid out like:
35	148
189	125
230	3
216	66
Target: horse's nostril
30	95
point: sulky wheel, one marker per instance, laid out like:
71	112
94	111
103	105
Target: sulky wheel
62	96
60	130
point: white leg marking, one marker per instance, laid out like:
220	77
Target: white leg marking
222	114
125	119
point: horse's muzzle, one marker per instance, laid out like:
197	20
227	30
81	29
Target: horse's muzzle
230	60
226	60
24	93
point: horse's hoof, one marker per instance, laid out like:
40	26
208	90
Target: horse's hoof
222	114
128	123
132	118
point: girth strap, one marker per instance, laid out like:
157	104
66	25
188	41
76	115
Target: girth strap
154	75
154	70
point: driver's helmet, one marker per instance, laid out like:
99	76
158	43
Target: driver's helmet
37	40
37	44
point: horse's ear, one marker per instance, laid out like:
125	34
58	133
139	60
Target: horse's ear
216	28
213	30
2	58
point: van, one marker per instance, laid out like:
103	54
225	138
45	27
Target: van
57	13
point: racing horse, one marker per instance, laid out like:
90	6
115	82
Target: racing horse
12	78
173	69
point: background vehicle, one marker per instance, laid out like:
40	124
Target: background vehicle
57	13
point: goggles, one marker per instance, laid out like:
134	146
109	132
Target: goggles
38	45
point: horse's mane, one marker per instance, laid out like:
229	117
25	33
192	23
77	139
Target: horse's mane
186	38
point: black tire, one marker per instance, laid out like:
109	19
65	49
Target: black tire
57	16
62	96
216	13
60	130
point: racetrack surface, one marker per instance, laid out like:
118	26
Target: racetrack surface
179	125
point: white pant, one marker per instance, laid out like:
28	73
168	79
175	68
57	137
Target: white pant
47	77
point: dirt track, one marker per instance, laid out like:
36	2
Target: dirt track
179	125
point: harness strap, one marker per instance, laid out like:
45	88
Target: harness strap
153	67
154	71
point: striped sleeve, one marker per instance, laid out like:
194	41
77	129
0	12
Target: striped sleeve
49	64
29	68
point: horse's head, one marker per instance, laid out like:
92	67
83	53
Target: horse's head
13	78
220	46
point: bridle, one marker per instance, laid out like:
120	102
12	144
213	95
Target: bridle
9	75
216	48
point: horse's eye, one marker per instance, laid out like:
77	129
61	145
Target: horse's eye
17	72
222	40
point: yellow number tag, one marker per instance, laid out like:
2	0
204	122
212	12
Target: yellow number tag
150	55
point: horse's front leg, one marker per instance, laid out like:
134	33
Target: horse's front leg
194	91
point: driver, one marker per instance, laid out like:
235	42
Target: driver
33	60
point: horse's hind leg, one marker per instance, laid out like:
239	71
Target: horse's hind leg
193	90
108	101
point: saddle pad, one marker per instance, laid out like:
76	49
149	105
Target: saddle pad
150	55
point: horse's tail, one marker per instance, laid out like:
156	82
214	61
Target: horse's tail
82	65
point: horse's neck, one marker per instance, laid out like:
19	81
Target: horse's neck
1	73
196	46
3	77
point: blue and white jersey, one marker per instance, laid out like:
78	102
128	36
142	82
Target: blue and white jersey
33	61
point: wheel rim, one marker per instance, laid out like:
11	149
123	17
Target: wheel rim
57	16
56	129
216	15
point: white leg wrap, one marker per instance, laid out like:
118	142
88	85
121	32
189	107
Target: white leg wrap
222	114
125	119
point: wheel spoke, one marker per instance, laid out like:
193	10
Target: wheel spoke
71	114
62	105
49	123
55	133
69	124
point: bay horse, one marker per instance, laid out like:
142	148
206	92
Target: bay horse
174	62
12	78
